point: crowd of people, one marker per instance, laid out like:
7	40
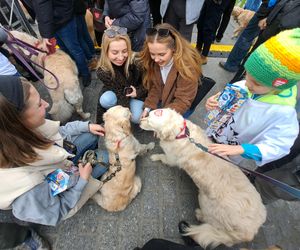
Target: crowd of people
146	67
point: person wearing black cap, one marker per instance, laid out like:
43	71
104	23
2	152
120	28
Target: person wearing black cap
31	148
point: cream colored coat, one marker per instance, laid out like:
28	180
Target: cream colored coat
19	180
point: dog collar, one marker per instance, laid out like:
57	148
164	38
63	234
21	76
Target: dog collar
119	141
184	132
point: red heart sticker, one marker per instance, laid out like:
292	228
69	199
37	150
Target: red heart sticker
279	81
158	112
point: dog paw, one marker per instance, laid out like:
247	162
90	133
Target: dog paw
199	214
156	157
86	115
150	146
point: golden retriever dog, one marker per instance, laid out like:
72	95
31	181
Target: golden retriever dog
231	210
68	96
242	17
116	194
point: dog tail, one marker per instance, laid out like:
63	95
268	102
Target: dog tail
206	235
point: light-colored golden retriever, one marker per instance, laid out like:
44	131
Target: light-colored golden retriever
68	96
231	210
242	17
116	194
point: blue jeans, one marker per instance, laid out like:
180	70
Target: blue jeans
84	142
88	141
252	5
67	40
84	37
109	99
242	45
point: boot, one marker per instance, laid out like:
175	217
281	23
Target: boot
204	59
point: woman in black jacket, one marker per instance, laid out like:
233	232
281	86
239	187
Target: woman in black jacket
121	75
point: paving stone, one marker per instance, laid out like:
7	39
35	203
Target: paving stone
170	220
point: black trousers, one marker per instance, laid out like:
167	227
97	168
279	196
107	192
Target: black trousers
225	19
271	30
208	23
154	8
175	15
12	234
160	244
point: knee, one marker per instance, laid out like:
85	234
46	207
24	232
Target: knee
108	99
136	108
135	118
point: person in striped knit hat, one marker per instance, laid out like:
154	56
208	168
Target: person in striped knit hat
265	127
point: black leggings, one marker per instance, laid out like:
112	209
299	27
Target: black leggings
160	244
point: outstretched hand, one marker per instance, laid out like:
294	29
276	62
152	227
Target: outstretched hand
96	129
212	102
133	94
144	114
108	22
225	150
85	171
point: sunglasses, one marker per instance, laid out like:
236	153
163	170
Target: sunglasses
113	31
160	32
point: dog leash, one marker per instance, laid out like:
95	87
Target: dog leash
285	187
25	60
90	157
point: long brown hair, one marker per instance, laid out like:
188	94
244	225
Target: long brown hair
104	62
186	59
17	142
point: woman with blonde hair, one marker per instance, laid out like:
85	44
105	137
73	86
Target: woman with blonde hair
172	71
120	74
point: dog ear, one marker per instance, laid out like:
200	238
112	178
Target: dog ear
167	133
126	126
104	117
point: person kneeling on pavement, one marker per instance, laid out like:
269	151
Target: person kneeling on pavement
38	182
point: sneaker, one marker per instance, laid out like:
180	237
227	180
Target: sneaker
86	80
92	65
218	40
36	242
222	65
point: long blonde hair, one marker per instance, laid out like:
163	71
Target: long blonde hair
186	59
104	62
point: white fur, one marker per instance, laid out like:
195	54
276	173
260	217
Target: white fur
68	96
116	194
231	210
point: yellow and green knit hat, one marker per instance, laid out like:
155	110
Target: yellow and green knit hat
276	63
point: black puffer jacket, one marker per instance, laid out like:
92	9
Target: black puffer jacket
132	14
51	14
286	14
